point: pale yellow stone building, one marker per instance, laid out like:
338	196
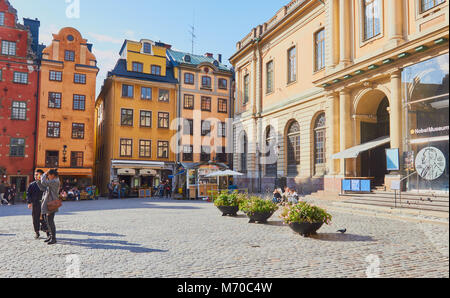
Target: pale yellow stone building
322	77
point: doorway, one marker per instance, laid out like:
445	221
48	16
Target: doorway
373	162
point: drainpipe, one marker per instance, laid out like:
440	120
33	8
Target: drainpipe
36	114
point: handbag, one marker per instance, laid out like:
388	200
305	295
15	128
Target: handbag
54	205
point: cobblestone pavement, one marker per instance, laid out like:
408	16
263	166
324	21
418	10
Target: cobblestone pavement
145	238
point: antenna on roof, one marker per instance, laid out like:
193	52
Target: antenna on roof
192	32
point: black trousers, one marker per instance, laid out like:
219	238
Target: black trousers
51	224
36	214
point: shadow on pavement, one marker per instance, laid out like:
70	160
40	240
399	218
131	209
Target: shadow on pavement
108	245
341	237
91	234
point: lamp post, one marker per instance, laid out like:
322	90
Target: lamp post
64	154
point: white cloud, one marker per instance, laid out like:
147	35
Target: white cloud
105	38
106	61
46	33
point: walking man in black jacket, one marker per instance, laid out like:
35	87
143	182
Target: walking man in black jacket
34	197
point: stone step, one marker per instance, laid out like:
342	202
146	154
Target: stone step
401	205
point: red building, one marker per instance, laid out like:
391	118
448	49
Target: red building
18	96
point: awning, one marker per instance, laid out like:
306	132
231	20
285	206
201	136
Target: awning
147	172
118	164
224	174
357	150
126	172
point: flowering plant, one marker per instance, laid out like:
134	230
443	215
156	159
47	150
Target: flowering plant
304	213
226	199
255	204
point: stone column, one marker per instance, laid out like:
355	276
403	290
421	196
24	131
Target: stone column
332	137
345	31
332	30
344	125
395	20
396	111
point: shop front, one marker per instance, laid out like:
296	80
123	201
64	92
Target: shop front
138	176
197	185
426	158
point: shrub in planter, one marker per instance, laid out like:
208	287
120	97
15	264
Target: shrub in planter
258	209
304	218
227	203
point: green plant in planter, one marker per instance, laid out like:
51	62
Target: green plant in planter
255	204
304	213
227	199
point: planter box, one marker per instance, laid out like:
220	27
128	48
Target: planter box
228	210
306	229
259	217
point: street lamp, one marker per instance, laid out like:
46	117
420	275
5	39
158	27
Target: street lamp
64	153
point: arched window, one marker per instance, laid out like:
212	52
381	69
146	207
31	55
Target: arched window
293	149
319	141
244	152
271	163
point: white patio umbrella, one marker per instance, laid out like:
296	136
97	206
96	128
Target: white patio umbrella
224	174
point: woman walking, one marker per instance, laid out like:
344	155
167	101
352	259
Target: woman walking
50	182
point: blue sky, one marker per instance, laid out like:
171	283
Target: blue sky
106	23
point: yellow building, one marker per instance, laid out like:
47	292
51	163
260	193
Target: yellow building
326	87
134	112
67	107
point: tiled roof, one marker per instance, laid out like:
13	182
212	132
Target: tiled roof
178	58
121	71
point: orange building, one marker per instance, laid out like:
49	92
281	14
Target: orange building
67	108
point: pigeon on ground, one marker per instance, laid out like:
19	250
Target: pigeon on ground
342	231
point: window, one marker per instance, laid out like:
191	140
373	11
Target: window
164	95
163	149
163	120
69	56
271	168
156	70
51	159
293	148
126	118
19	110
146	93
319	56
53	129
2	18
319	139
79	78
188	102
55	76
1	75
79	102
292	61
76	159
372	9
147	48
17	147
146	119
223	84
8	48
222	105
127	91
188	153
246	89
54	100
206	104
205	154
126	147
137	67
77	131
145	148
269	77
429	4
188	127
221	155
20	77
189	78
206	128
206	82
221	129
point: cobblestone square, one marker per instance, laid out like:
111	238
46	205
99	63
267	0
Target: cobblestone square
150	238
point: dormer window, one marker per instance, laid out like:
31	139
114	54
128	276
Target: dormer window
216	63
187	58
147	48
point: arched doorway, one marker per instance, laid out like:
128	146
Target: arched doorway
373	162
293	149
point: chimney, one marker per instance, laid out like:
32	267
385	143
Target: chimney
209	55
220	58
